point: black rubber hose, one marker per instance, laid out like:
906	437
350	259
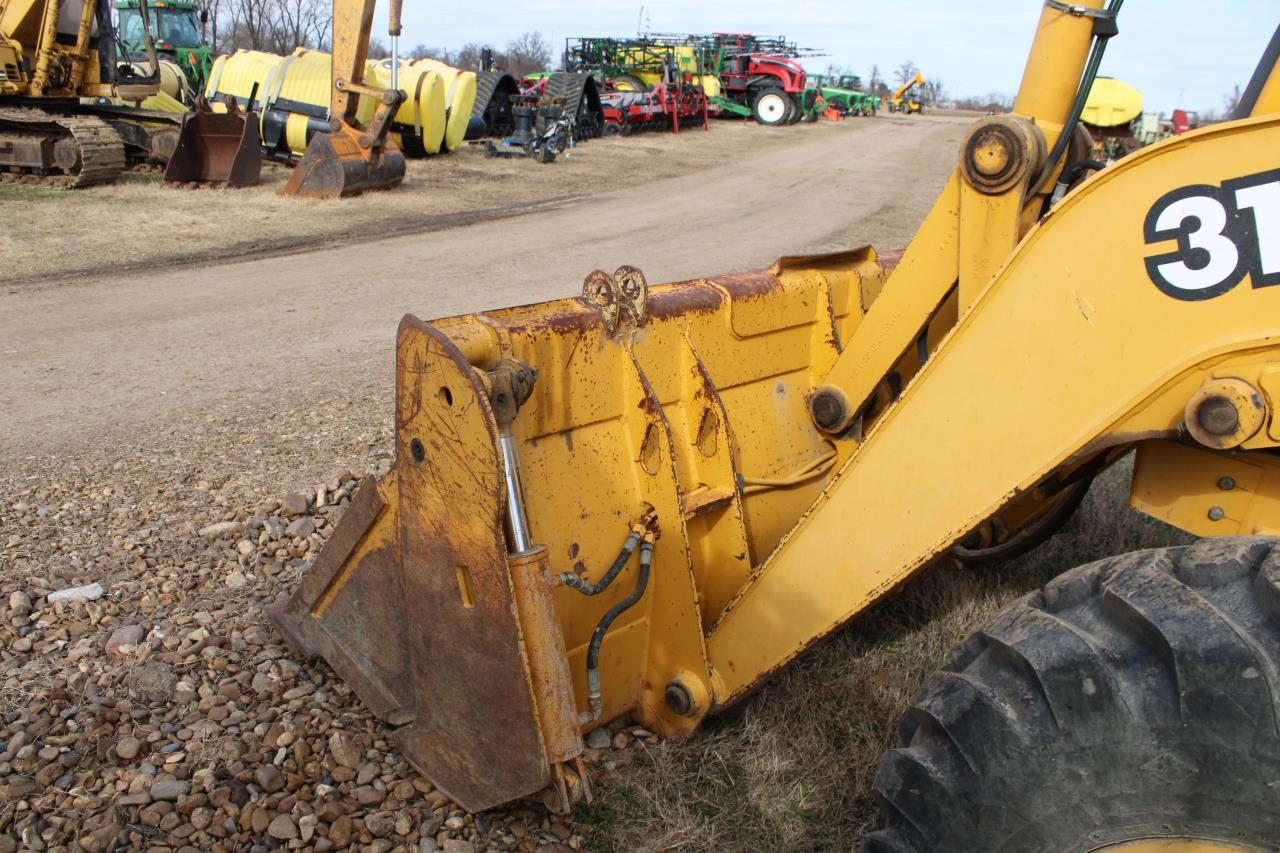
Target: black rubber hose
574	581
602	628
1077	107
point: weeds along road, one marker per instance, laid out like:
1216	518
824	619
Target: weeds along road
114	356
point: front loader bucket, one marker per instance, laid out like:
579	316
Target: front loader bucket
216	150
335	166
416	603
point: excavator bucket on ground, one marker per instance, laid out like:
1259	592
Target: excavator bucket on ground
216	149
335	165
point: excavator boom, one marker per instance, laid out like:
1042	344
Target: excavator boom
350	159
647	499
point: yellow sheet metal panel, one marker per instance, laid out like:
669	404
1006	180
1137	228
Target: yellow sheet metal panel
1111	103
1206	492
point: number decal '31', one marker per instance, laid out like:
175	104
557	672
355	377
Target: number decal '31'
1223	234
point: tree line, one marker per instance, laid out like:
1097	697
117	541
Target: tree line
281	26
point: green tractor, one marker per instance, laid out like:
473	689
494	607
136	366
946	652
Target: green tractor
177	27
844	93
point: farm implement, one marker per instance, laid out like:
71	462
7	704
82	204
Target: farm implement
740	74
844	94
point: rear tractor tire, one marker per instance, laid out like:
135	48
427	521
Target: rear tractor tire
771	106
1132	699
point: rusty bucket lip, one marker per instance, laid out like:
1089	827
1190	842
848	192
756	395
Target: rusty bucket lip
328	170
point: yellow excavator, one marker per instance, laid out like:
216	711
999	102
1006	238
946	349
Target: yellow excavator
63	72
647	500
906	99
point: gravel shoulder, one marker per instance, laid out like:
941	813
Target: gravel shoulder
187	440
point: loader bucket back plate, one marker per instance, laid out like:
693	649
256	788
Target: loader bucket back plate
216	150
412	601
335	165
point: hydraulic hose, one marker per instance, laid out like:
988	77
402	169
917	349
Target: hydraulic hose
574	581
1082	95
595	700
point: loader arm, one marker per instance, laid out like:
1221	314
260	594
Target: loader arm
648	499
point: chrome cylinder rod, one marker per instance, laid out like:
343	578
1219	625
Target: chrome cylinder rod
519	540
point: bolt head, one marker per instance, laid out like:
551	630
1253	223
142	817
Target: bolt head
827	409
1227	483
1218	416
1216	513
679	700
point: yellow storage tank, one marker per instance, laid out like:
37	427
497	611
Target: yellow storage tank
293	99
234	74
423	113
459	98
1111	103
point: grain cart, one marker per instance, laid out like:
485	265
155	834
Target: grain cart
648	499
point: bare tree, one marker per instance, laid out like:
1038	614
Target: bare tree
468	58
528	54
421	51
876	85
378	49
1231	101
905	72
276	26
934	92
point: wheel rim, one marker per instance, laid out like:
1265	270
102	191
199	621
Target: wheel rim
771	107
1173	845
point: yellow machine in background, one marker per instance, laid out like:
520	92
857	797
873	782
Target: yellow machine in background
647	500
53	53
906	98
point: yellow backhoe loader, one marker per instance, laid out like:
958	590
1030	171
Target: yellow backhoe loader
63	71
906	98
647	500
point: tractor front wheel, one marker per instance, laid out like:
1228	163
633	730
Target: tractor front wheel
1133	699
771	106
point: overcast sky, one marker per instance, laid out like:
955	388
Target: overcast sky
1185	53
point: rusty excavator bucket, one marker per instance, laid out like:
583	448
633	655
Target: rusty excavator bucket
217	149
344	163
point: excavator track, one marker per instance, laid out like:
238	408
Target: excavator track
101	155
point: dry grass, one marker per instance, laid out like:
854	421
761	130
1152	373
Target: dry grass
169	226
791	769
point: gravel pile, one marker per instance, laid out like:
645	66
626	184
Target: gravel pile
147	703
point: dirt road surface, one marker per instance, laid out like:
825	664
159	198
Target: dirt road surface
113	356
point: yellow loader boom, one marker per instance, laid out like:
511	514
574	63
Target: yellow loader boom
648	499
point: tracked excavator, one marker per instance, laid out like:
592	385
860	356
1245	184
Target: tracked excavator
648	499
63	72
